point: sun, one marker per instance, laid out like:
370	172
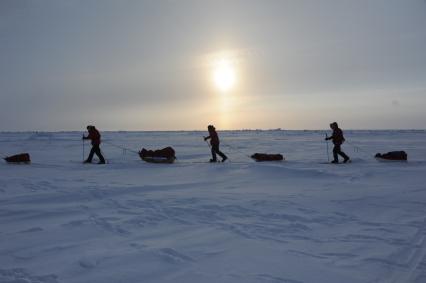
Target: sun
224	75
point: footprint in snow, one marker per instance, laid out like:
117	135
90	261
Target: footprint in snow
32	230
174	256
270	278
87	263
21	275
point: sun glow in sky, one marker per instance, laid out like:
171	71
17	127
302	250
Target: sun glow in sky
224	75
267	64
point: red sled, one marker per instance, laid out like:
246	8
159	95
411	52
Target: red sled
260	157
18	158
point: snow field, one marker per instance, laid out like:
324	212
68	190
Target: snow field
242	221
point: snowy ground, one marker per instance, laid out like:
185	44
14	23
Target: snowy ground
242	221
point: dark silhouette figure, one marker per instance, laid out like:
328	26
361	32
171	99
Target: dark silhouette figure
95	137
214	142
338	139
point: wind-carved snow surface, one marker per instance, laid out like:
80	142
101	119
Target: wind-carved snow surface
241	221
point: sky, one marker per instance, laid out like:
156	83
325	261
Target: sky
182	65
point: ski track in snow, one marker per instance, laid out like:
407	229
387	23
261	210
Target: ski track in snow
294	221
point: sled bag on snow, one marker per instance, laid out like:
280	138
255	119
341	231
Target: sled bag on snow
393	155
18	158
267	157
165	155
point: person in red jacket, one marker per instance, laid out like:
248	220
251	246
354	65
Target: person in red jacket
214	141
338	139
95	137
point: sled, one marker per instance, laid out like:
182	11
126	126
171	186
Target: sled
18	158
159	160
400	156
262	157
165	155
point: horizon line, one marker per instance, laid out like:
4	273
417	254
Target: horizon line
198	130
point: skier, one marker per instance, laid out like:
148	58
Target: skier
95	137
338	139
214	141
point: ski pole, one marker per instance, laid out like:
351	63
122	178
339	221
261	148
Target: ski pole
106	160
207	142
237	150
328	154
358	149
83	148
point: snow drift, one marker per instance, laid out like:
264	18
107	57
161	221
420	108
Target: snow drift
192	221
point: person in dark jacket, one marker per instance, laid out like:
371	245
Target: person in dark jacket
214	142
338	139
95	138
